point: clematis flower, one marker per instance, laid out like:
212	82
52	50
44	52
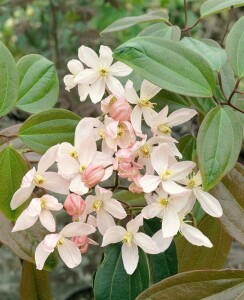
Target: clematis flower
67	249
131	239
118	108
75	67
83	242
105	207
40	178
39	208
162	125
143	107
168	174
208	202
166	207
101	73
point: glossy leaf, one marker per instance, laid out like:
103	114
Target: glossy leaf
34	283
209	284
202	257
39	85
111	280
9	82
203	105
48	128
164	264
124	23
13	167
230	193
218	145
187	147
211	7
179	69
235	47
163	31
211	52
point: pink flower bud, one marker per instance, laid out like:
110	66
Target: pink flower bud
74	205
120	110
92	175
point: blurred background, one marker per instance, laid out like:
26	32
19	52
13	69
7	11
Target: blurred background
56	29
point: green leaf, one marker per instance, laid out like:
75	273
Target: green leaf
124	23
179	69
235	47
48	128
111	280
230	193
202	257
9	81
163	31
13	167
209	284
218	144
39	85
34	283
131	198
211	7
164	264
187	147
203	105
211	52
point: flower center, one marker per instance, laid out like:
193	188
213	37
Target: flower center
60	242
103	72
73	153
97	205
101	133
82	168
164	129
127	238
163	202
166	175
191	184
43	203
120	132
145	151
146	103
38	179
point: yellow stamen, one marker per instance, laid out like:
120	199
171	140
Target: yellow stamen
101	133
127	238
146	103
120	132
43	202
60	242
38	179
97	205
166	175
164	129
191	184
82	168
103	72
163	202
145	151
73	153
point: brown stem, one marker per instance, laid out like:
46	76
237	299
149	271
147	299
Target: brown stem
240	92
233	106
216	100
234	90
227	27
185	11
191	27
221	85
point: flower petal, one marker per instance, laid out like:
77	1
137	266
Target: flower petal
149	183
88	57
106	56
151	211
113	235
180	116
115	86
130	257
136	118
24	221
161	242
69	82
145	242
181	169
160	158
21	195
149	115
77	229
115	208
77	186
51	203
195	236
171	222
88	76
48	159
97	90
172	188
70	253
75	66
68	166
83	91
130	93
47	220
148	90
55	183
86	154
41	256
119	69
104	221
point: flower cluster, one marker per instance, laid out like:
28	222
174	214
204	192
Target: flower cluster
114	148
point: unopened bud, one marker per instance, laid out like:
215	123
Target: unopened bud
92	175
120	110
74	205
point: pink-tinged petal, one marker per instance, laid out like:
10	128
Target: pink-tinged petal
130	257
172	188
151	211
195	236
28	178
134	224
47	220
130	93
113	235
48	159
50	241
104	221
83	91
161	242
162	116
85	129
115	208
77	229
136	118
149	114
106	56
89	203
88	57
112	129
160	158
115	86
148	90
41	256
68	167
21	195
75	66
145	242
51	203
103	159
97	90
119	69
69	82
208	203
77	186
103	193
180	116
181	169
34	207
24	221
65	148
87	154
171	222
149	183
88	76
108	173
55	183
70	253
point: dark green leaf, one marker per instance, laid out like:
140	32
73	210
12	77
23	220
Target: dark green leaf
179	69
218	145
187	147
211	7
203	105
111	280
162	30
39	85
48	128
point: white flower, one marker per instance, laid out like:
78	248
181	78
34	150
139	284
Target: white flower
101	72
